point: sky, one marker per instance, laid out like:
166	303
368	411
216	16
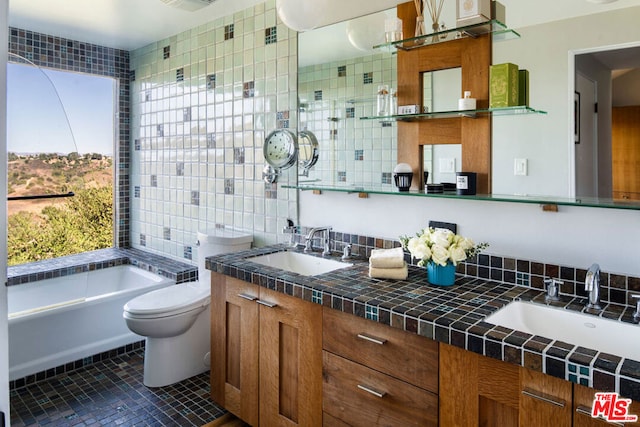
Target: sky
35	117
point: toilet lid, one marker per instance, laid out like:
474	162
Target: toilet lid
173	299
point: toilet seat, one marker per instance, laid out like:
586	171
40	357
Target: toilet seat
169	301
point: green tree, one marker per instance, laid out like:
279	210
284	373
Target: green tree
23	237
83	223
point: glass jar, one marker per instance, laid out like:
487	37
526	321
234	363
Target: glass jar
383	100
393	102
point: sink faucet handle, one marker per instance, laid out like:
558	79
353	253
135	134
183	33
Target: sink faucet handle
346	252
326	240
553	289
636	313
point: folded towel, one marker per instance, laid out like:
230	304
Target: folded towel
389	273
387	258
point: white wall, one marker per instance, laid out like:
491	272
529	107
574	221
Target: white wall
574	236
544	50
4	338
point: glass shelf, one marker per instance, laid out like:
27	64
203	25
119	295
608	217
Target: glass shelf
498	29
506	111
537	200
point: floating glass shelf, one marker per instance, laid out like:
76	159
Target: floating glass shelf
498	29
538	200
506	111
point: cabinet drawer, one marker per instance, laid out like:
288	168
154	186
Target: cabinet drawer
402	355
361	396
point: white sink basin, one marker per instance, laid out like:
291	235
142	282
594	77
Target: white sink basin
305	265
580	329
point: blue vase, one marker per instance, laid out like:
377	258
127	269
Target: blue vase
441	276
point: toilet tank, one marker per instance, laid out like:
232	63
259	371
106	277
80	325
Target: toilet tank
219	241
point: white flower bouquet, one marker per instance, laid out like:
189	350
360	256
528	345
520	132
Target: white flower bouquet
440	246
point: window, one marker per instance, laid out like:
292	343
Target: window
54	150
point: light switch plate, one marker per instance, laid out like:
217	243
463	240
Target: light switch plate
520	167
448	165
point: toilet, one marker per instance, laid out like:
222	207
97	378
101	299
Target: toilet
176	320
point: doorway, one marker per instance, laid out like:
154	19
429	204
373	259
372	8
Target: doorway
586	136
615	72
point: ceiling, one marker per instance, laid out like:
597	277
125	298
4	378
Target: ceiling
130	24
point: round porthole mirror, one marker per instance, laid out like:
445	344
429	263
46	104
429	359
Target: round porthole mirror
280	149
307	151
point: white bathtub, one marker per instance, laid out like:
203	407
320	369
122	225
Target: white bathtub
57	321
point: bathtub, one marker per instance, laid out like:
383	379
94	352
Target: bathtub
56	321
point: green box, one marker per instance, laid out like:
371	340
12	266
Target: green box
523	87
503	85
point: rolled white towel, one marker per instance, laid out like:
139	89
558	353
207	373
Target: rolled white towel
387	258
389	273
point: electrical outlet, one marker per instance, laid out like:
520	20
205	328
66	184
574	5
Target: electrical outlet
520	167
448	225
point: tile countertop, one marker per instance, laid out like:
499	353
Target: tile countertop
453	315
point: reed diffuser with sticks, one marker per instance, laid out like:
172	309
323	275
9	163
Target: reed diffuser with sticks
435	10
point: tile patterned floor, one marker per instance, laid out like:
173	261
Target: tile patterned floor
111	393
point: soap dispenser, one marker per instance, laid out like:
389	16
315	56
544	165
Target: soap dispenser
467	103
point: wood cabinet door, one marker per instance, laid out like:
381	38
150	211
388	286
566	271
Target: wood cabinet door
544	400
290	361
477	390
480	391
234	346
458	394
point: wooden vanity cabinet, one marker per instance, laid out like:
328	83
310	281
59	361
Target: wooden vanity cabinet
266	354
374	374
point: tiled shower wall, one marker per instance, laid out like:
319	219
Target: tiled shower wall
202	103
333	98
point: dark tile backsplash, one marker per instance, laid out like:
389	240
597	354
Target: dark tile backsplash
614	288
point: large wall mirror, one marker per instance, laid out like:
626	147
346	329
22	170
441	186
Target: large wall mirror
339	76
559	159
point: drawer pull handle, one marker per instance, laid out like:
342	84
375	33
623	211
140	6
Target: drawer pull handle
369	390
379	341
543	397
586	411
247	297
267	303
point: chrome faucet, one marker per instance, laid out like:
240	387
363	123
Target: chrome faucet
592	285
326	231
